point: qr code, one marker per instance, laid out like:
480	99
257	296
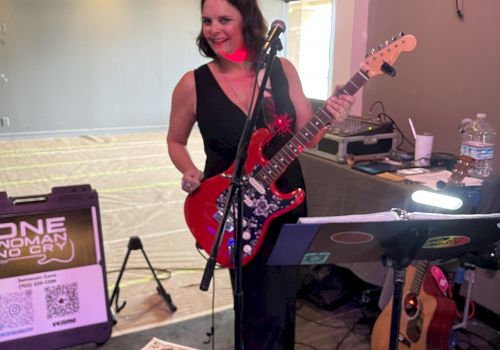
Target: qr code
62	300
16	309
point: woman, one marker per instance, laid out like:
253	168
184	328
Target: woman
217	96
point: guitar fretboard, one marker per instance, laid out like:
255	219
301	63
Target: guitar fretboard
418	278
303	138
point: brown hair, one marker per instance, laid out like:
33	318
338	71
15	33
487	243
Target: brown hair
254	28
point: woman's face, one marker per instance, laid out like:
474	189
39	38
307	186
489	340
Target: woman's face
222	27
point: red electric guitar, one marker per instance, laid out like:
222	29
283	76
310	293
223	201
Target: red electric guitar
263	202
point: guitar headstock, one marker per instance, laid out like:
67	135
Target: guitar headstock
379	60
461	170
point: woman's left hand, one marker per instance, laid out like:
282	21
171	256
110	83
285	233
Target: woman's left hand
339	106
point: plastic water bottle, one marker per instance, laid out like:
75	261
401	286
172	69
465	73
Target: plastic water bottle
478	142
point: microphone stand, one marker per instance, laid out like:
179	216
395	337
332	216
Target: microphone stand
234	199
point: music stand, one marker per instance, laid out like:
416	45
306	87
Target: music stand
395	237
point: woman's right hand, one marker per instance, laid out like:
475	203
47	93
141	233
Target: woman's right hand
191	180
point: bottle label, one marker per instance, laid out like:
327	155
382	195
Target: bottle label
478	152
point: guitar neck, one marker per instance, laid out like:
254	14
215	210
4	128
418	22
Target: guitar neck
303	138
418	278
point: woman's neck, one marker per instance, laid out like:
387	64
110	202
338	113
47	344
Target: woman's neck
226	66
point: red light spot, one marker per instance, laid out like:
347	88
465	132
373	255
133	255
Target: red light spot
239	55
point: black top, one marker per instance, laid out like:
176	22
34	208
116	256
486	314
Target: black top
221	123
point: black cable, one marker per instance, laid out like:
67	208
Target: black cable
211	333
349	331
385	115
373	105
319	323
403	136
308	345
458	11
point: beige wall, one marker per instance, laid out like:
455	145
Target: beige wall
453	73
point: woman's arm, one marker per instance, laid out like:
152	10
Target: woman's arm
182	119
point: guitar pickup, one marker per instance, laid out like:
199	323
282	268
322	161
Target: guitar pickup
256	185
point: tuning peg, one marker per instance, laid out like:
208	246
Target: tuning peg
387	43
401	34
372	51
393	38
380	47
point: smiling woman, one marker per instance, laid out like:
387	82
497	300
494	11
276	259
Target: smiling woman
218	96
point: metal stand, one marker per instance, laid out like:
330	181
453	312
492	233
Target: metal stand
234	205
135	244
469	277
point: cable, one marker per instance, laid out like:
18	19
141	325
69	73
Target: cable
157	270
319	323
211	333
385	115
459	12
403	136
349	331
373	105
308	345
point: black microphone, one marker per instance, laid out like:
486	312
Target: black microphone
277	27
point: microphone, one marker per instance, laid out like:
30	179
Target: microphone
277	27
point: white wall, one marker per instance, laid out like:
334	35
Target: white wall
95	65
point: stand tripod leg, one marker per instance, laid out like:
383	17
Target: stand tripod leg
116	289
159	288
135	243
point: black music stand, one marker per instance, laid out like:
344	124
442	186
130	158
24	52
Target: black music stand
395	237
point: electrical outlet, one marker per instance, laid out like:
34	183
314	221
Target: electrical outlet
4	122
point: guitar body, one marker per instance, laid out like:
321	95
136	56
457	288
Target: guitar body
261	204
426	328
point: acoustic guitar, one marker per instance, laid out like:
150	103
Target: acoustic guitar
426	314
263	201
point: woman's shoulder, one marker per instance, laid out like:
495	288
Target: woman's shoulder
186	82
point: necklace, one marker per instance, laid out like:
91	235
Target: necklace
246	106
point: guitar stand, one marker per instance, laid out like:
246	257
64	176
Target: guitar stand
134	244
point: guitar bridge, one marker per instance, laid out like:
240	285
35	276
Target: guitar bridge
229	226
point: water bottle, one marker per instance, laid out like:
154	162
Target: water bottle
478	142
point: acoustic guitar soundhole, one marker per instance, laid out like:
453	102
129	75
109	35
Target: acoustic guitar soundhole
410	305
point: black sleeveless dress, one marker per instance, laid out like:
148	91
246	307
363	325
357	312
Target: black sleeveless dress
269	292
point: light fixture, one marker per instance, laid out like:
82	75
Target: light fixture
437	200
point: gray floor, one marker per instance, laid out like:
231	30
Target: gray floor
347	327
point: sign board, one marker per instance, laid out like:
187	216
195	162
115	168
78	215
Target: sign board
53	290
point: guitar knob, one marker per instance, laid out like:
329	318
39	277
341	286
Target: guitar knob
247	248
246	235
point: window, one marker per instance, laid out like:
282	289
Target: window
310	44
